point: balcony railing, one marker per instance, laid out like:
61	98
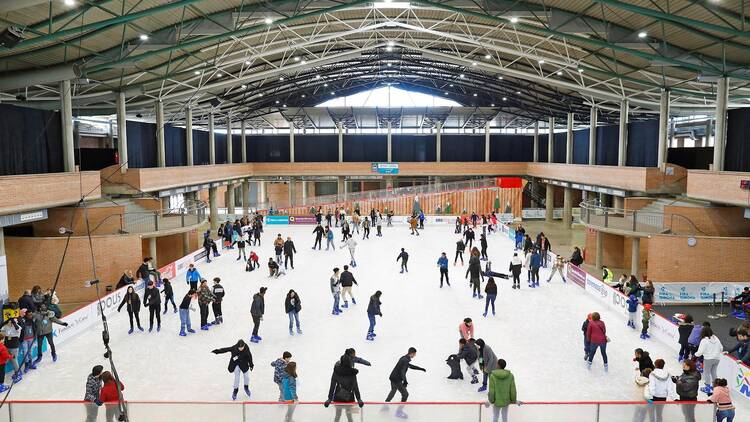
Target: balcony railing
380	194
189	214
635	221
371	412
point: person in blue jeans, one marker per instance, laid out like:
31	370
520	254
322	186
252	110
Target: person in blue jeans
442	263
185	312
491	290
723	400
292	306
535	263
329	239
596	334
373	308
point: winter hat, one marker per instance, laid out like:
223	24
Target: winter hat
647	306
632	297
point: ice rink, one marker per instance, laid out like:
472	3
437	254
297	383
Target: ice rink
537	331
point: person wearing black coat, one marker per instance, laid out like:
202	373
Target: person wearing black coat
168	295
460	248
398	377
469	235
134	307
289	251
218	290
257	309
318	232
347	280
152	299
483	245
469	353
687	388
125	280
143	271
344	388
404	257
240	362
26	301
644	360
684	329
373	309
576	259
292	306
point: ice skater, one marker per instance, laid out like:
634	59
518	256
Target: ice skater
468	352
442	264
352	245
318	231
205	297
404	257
378	225
632	310
257	309
366	229
373	309
274	271
218	290
483	245
535	262
133	302
398	379
289	251
292	307
515	269
487	362
152	300
469	236
241	248
168	295
475	270
344	389
460	248
192	277
279	367
490	291
335	291
347	281
278	247
413	225
329	239
645	318
240	362
185	309
557	267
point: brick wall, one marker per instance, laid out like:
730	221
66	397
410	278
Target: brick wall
636	203
717	259
613	248
169	248
35	260
712	221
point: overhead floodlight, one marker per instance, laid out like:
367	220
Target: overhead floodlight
559	73
500	78
642	34
389	49
462	76
514	20
283	105
247	62
386	4
333	92
143	37
268	21
260	95
70	2
505	98
580	70
391	43
492	105
219	75
317	76
475	94
243	86
295	58
303	95
487	57
473	63
445	93
303	62
325	85
518	92
541	62
197	72
277	101
388	64
281	78
451	85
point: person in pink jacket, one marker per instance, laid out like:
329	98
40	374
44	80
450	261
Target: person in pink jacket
596	334
723	400
466	329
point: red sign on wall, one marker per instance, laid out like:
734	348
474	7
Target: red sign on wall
509	182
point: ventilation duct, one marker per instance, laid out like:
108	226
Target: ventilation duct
24	78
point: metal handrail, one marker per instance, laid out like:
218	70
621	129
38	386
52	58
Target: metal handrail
382	193
199	209
635	220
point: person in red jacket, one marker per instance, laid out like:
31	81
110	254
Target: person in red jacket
5	357
108	395
596	334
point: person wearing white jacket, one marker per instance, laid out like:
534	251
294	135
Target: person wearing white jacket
711	349
660	388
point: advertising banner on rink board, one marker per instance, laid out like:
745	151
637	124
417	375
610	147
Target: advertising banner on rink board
277	219
577	275
696	292
302	219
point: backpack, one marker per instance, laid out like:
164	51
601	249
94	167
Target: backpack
343	395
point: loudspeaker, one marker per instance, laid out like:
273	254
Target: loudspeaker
11	36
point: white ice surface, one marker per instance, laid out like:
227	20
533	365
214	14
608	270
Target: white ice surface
537	331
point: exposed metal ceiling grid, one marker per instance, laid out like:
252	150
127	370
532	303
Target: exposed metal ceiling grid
346	43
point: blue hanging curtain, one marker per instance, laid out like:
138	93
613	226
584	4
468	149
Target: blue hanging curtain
737	152
316	148
174	144
462	147
268	148
643	143
141	144
365	148
30	141
414	148
581	146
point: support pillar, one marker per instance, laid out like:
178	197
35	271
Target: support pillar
66	116
592	136
186	243
549	214
536	142
663	127
567	217
262	192
122	133
390	143
622	145
245	197
244	144
291	144
635	255
551	141
211	140
304	192
213	209
618	202
230	160
569	143
599	249
292	192
340	127
189	135
152	251
341	190
709	132
161	151
487	142
438	134
2	242
230	198
720	139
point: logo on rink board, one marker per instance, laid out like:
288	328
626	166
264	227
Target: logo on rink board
743	381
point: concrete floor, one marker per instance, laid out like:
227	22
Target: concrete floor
561	239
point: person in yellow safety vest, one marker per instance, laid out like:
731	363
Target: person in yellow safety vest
607	275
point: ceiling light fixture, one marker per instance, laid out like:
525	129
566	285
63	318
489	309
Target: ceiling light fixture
295	58
389	49
303	95
325	85
283	105
462	76
487	56
268	21
304	62
475	94
505	98
541	61
317	76
219	75
70	2
277	101
492	105
642	34
500	78
445	93
247	62
559	73
243	86
388	64
281	78
143	37
391	43
333	92
518	92
580	70
197	72
451	85
473	63
514	20
260	95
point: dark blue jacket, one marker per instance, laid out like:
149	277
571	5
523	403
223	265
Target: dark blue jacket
374	307
443	262
632	304
536	260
